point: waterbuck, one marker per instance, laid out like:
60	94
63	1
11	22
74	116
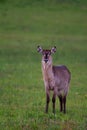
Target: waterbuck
56	78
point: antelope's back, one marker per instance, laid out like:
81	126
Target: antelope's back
62	75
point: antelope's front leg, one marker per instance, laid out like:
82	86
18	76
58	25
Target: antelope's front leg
47	101
54	100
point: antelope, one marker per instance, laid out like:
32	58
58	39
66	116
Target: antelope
56	78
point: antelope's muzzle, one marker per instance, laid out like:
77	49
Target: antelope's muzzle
46	60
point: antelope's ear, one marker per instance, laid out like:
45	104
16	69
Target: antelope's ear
53	50
39	49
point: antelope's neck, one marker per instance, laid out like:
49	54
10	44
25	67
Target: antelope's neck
47	71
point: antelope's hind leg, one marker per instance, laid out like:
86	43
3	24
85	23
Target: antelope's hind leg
53	101
61	103
64	103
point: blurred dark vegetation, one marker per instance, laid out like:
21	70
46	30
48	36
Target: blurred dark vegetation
30	2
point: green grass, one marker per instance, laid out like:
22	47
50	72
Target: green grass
23	26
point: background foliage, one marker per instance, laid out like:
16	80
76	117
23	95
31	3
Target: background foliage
24	24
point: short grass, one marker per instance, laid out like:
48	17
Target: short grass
23	26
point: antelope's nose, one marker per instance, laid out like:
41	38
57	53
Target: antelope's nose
46	60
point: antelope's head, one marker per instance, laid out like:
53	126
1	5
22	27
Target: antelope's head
46	54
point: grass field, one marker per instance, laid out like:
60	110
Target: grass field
23	26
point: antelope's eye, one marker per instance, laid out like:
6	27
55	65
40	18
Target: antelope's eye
49	54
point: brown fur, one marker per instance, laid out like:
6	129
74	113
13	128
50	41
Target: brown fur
56	78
